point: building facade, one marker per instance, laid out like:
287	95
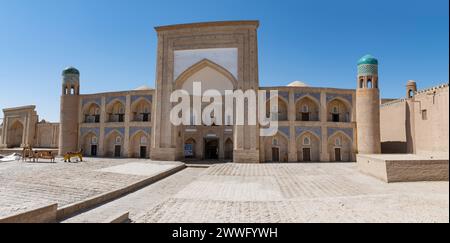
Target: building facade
417	123
314	124
21	128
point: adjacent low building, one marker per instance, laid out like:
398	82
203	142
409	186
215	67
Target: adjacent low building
21	128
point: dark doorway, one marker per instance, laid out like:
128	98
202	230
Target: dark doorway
307	155
117	150
337	154
145	117
212	149
121	117
335	117
143	152
229	150
275	154
93	150
305	116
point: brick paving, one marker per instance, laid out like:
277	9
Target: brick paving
140	201
25	186
273	193
241	193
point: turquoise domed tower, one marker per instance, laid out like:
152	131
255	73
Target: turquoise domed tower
71	81
368	72
368	106
69	110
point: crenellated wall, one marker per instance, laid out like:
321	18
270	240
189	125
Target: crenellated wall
430	114
418	124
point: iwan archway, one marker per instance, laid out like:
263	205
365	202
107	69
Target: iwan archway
15	134
221	55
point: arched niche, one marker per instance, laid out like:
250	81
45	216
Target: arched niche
339	110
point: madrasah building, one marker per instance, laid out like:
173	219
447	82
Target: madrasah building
315	124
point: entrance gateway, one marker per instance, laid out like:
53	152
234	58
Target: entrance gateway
307	155
275	155
93	150
211	148
143	152
117	151
337	155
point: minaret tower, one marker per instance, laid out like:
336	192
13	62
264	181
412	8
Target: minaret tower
68	128
368	106
411	89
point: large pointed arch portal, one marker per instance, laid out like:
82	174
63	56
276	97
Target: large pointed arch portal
209	74
228	50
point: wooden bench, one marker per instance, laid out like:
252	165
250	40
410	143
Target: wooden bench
33	155
44	155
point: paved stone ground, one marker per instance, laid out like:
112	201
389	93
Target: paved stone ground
273	193
25	186
140	201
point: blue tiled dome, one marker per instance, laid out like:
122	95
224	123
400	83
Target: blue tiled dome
71	70
368	60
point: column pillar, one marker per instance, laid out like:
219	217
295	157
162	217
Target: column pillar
25	137
5	132
126	139
323	107
101	139
292	150
81	121
324	156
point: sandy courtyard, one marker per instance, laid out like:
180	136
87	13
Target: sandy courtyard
284	193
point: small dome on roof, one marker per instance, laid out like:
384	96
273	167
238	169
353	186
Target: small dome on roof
411	82
71	70
298	84
368	59
143	87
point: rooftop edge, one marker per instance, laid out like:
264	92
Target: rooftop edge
208	24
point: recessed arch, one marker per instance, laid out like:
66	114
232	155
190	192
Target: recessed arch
199	66
141	110
116	111
313	112
279	98
343	113
342	152
15	134
308	152
113	146
90	144
91	112
139	131
139	145
310	133
276	152
283	109
342	134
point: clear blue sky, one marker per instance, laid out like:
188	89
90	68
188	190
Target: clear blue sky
113	43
